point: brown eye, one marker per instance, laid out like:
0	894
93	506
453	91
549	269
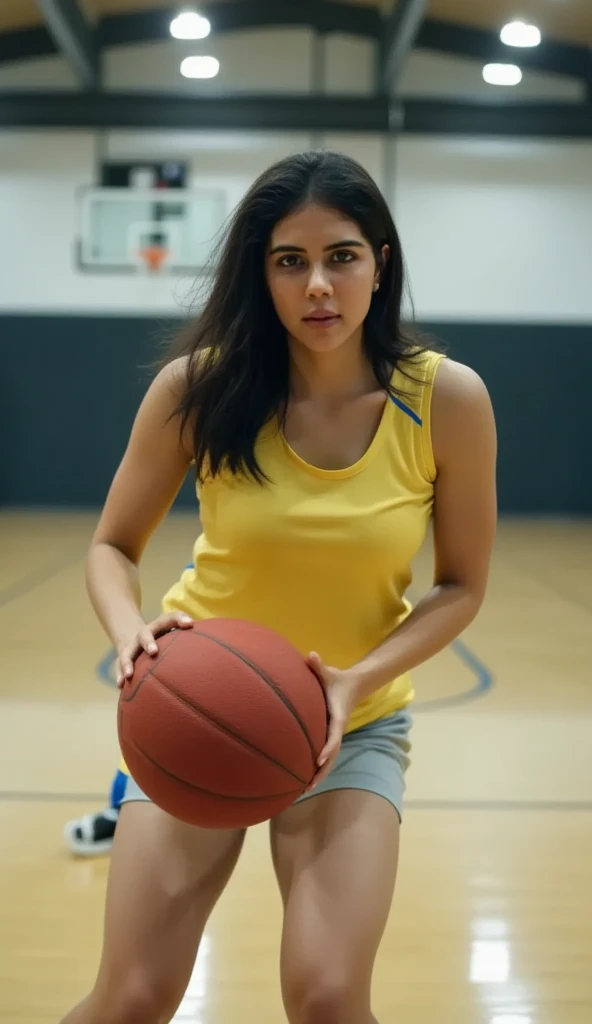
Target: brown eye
291	260
343	256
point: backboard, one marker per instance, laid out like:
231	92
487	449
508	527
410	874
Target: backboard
139	230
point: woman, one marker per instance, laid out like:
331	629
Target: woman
324	442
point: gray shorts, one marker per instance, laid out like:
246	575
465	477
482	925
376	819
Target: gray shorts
373	758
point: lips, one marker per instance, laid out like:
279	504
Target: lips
321	318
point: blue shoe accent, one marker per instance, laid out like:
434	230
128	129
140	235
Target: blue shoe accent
117	790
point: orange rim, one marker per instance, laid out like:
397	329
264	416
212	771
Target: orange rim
154	256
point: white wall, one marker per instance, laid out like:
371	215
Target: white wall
497	229
40	175
41	73
491	228
155	66
428	74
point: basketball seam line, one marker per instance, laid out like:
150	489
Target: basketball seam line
174	634
284	699
224	728
209	792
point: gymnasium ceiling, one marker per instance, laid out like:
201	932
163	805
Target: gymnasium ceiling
468	29
564	20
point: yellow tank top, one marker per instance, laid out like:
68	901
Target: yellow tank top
322	556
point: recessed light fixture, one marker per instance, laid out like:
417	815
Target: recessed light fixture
200	67
502	74
518	33
190	25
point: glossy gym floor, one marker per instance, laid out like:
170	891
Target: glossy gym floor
492	919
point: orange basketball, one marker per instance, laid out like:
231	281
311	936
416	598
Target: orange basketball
223	728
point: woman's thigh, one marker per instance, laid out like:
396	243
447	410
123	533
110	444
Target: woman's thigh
335	854
165	878
335	858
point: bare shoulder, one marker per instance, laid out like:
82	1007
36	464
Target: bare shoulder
158	410
177	374
168	386
172	378
455	381
458	392
462	413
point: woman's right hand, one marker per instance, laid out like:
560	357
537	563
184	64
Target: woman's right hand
144	639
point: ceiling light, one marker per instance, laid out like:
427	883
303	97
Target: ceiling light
200	67
518	33
502	74
190	25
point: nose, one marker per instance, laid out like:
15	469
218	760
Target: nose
319	283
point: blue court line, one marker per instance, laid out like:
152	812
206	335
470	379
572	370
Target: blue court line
103	669
484	680
484	677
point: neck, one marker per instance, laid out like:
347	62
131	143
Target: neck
330	376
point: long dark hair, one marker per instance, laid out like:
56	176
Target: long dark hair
238	367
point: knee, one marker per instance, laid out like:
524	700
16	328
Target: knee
324	997
133	1000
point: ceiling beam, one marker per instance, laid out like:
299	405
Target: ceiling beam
481	44
324	16
306	113
74	37
239	112
400	32
509	119
25	44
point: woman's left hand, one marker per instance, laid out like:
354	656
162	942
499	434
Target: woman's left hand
341	689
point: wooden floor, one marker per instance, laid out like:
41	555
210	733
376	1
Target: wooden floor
492	921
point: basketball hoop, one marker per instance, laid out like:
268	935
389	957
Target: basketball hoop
154	257
151	232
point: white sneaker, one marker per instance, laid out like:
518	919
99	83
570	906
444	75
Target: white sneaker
92	835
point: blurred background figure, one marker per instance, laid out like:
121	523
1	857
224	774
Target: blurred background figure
129	131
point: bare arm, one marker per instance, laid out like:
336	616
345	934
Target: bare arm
145	485
465	449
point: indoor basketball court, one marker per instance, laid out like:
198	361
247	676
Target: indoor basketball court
117	178
492	913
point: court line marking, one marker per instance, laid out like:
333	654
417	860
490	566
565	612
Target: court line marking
36	797
498	805
484	677
554	806
35	579
534	577
485	680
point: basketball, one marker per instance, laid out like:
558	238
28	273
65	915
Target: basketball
223	728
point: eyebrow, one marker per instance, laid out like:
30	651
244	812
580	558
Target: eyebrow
328	248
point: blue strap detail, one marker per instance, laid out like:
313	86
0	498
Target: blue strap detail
405	408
